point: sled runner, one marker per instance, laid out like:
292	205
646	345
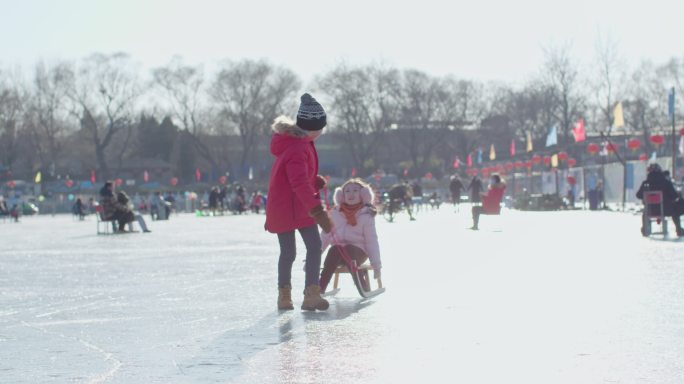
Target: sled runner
361	280
359	273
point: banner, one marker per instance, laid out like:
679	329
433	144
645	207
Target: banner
618	120
578	131
552	137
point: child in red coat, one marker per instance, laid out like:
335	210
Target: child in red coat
294	202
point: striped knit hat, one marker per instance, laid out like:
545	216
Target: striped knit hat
311	116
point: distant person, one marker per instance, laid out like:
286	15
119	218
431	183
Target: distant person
456	187
116	208
160	209
571	197
475	189
294	202
417	189
4	211
491	200
257	202
214	200
673	203
78	209
401	193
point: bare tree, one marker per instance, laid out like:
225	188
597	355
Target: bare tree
562	75
47	111
644	106
248	96
12	105
184	90
428	111
672	75
363	108
104	97
609	74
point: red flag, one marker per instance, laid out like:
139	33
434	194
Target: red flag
405	172
146	176
469	161
456	163
353	172
198	175
512	147
578	131
92	176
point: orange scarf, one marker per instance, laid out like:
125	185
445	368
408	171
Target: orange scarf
349	212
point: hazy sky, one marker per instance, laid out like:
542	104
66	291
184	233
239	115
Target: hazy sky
484	40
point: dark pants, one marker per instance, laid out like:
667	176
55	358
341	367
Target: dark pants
288	252
477	211
123	218
334	259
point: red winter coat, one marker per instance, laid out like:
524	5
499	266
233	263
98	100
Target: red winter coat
491	202
291	191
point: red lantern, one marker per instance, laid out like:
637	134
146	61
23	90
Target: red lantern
536	159
611	147
11	184
547	160
428	175
509	166
592	148
562	156
528	164
571	162
69	183
198	175
223	180
118	182
571	180
633	144
173	181
519	164
643	157
657	139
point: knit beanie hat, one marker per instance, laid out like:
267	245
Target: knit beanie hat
311	116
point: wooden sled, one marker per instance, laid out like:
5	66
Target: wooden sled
358	274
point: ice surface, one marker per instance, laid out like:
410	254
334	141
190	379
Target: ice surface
559	297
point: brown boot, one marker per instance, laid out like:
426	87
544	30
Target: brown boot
313	299
285	297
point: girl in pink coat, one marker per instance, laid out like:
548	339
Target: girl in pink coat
294	202
354	221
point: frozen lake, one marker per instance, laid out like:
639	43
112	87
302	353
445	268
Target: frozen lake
560	297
